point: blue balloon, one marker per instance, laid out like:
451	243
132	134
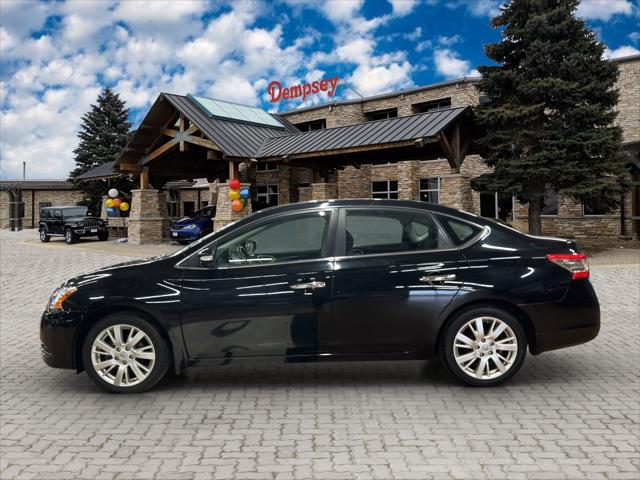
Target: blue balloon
244	193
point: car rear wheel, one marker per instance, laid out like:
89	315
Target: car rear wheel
483	346
44	237
70	237
124	353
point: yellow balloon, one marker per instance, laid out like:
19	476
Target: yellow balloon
110	203
124	206
234	195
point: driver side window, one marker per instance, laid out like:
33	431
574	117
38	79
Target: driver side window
292	238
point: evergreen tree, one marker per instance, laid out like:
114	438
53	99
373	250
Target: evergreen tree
549	123
103	134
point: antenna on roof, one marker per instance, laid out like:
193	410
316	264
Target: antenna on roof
354	90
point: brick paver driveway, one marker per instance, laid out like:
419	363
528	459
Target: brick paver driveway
568	414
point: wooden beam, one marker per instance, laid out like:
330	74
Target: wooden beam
130	167
449	153
233	169
181	124
144	178
203	142
159	151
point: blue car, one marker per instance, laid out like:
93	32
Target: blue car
193	227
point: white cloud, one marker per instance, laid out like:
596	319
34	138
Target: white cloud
339	11
624	51
370	80
604	9
634	37
449	41
478	8
402	7
450	65
414	35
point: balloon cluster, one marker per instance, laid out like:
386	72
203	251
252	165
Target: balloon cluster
239	198
114	204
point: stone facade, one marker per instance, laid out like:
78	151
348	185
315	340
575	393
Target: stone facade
629	100
149	220
33	200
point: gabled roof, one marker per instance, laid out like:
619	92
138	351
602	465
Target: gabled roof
36	184
392	130
100	172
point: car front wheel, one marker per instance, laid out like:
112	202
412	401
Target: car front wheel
44	237
124	353
70	237
483	346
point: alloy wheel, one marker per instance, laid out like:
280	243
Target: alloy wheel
485	348
123	355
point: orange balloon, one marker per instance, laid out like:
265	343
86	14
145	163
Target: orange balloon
116	202
237	205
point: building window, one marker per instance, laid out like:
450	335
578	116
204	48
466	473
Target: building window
382	114
188	208
266	167
384	189
593	207
44	205
550	206
266	196
497	205
432	106
203	204
430	190
312	125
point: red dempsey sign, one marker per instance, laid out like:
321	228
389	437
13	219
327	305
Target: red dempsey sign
277	92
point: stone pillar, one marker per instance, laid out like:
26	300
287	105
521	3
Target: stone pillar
4	210
324	191
355	182
149	220
103	208
224	214
305	194
455	191
213	192
408	188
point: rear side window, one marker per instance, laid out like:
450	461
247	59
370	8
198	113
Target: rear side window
459	230
370	232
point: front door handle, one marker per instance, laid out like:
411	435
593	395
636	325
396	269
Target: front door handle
307	285
437	278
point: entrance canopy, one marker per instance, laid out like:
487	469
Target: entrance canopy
189	137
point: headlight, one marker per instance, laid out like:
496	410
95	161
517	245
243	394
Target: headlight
81	224
190	227
59	296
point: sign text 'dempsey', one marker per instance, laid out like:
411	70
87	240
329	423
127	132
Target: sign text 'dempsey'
277	92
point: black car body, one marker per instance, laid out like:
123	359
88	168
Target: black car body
72	223
338	280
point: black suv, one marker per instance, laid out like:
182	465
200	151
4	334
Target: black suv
72	223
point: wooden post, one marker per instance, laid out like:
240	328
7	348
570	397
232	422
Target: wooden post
144	178
233	170
181	122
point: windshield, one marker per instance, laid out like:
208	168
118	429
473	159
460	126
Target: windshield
75	212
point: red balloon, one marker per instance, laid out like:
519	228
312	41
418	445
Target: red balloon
234	184
237	205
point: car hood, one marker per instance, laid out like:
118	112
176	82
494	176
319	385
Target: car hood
190	220
142	266
81	219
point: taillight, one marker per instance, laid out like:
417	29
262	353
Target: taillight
576	263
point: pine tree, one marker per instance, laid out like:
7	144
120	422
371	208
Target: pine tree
103	134
549	123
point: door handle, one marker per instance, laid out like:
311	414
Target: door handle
437	278
307	285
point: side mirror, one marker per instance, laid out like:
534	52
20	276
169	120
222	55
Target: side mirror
206	256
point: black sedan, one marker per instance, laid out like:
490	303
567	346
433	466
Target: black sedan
322	281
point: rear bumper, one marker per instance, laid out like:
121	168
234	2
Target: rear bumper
572	321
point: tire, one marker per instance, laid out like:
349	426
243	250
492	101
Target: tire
483	359
70	237
149	355
103	237
44	237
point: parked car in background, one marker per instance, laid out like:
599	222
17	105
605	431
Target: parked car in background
329	280
194	226
71	223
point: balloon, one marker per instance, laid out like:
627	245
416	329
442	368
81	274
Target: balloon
111	211
113	193
244	193
116	202
234	195
237	205
234	184
109	202
244	202
124	206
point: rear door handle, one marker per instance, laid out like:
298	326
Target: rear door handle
437	278
307	285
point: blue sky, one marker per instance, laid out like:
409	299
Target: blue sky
55	56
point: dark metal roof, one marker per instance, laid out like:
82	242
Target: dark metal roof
235	139
37	184
101	171
414	127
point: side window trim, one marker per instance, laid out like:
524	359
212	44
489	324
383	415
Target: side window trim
328	247
340	252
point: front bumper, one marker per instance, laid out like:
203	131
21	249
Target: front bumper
184	235
90	231
57	334
573	320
